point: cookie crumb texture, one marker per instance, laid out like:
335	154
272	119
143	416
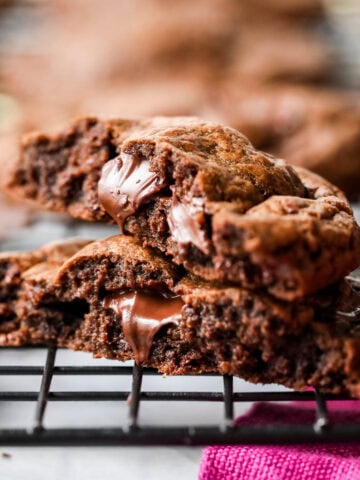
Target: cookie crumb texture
309	342
200	193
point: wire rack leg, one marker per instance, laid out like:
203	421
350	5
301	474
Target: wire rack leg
135	395
228	400
322	420
44	389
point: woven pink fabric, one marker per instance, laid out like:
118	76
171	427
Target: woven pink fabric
300	462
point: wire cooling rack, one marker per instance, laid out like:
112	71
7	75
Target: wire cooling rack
133	433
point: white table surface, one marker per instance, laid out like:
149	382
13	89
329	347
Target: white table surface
94	463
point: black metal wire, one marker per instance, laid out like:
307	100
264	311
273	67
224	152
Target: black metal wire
135	396
86	396
44	388
228	400
322	420
135	434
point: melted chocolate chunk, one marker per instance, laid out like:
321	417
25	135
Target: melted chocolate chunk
185	220
125	183
142	316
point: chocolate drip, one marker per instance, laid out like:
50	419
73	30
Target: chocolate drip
142	316
125	183
185	220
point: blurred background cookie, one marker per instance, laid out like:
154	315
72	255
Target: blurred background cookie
283	72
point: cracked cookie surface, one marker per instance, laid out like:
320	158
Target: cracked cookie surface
200	193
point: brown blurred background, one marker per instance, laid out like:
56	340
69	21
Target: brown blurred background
284	72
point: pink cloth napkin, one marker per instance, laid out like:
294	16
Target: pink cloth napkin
298	462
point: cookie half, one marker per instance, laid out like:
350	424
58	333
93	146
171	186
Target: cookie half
200	193
117	300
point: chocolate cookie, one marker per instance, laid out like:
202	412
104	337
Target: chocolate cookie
118	300
161	48
159	44
314	128
201	193
293	9
272	50
12	267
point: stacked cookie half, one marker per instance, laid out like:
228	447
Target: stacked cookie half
227	260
